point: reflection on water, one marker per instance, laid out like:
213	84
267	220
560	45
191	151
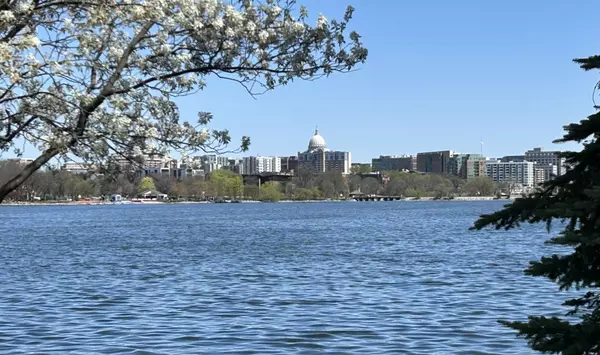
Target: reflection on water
378	278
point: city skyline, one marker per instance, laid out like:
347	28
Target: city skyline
408	98
419	89
223	160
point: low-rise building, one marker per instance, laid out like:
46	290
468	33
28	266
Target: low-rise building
21	161
77	168
513	158
146	165
394	163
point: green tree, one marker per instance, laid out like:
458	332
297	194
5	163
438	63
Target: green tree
360	169
457	182
251	192
303	194
146	184
235	186
370	185
195	188
305	179
289	189
225	183
332	184
123	185
354	182
574	199
178	189
439	186
480	186
315	194
163	183
269	191
411	192
84	188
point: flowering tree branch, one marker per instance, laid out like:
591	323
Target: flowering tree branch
95	78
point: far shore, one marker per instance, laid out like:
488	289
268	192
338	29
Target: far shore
154	202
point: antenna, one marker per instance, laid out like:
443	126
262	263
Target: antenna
481	144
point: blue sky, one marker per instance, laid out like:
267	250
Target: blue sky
440	75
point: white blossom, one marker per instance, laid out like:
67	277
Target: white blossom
218	23
229	32
274	10
5	54
23	6
299	27
204	134
137	151
251	27
183	57
234	17
119	68
152	132
6	16
14	77
321	21
31	41
263	36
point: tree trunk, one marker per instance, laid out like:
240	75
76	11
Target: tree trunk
31	168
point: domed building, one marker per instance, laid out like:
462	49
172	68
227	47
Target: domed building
318	159
316	142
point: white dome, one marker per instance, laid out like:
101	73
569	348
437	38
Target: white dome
316	141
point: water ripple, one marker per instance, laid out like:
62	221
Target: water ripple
363	278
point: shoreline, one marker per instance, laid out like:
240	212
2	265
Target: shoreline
408	199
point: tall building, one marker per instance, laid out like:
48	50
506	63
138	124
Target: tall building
212	162
538	176
289	164
467	166
475	168
515	172
544	172
394	163
317	158
235	165
434	162
541	157
259	165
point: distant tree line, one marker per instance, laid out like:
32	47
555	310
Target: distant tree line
55	184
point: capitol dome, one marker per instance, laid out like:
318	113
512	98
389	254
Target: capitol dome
316	142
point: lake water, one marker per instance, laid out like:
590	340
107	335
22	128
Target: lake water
287	278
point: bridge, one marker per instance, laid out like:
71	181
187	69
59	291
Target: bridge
259	179
376	198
